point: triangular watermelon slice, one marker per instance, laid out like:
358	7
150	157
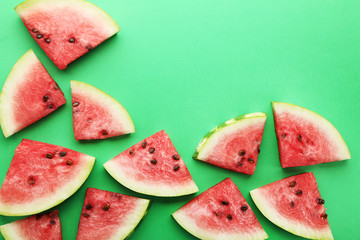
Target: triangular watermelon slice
295	204
37	227
40	176
221	212
29	94
305	138
97	115
66	29
108	215
234	144
153	167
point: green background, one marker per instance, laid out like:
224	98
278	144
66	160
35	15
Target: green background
187	66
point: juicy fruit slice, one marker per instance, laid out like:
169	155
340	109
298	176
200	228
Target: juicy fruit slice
154	167
221	212
96	115
66	29
40	176
235	144
40	227
29	94
108	215
294	204
305	138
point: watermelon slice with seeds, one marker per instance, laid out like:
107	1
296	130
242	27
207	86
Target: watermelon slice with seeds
46	226
305	138
97	115
234	144
153	167
295	204
108	215
40	176
29	94
66	29
221	212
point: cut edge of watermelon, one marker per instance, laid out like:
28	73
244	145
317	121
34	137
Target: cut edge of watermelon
10	231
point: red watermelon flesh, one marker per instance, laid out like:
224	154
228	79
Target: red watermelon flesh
108	215
221	212
46	226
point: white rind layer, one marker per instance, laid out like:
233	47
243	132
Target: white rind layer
10	231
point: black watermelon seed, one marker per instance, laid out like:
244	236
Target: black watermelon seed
151	150
258	150
49	155
244	208
153	161
72	40
104	132
86	215
63	154
320	201
69	162
88	206
116	195
34	30
229	216
75	104
47	40
39	35
131	152
292	204
216	214
242	153
292	184
50	106
251	160
225	203
52	222
299	137
324	216
31	181
299	192
239	163
45	98
143	144
38	216
106	207
176	168
175	157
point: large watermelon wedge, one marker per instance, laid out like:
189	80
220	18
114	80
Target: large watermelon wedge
96	115
221	212
108	215
295	204
66	29
234	144
29	94
38	227
154	167
306	138
40	176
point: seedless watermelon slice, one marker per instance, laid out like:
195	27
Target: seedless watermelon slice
29	94
306	138
108	215
221	212
40	227
96	115
234	144
295	204
66	29
154	167
40	176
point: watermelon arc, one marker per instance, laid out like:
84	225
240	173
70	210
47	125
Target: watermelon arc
66	29
40	176
97	115
221	212
295	204
234	144
305	138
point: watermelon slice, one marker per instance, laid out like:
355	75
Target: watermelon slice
108	215
29	94
221	212
66	29
96	115
154	167
305	138
234	144
294	204
40	176
40	227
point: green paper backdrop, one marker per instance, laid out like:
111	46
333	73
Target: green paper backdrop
187	66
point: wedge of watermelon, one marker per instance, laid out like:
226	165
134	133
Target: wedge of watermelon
305	138
29	94
154	167
96	115
295	204
40	176
66	29
221	212
108	215
38	227
234	144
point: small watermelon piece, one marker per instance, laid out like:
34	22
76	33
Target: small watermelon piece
97	115
153	167
40	227
221	212
40	176
29	94
305	138
66	29
234	144
295	204
108	215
